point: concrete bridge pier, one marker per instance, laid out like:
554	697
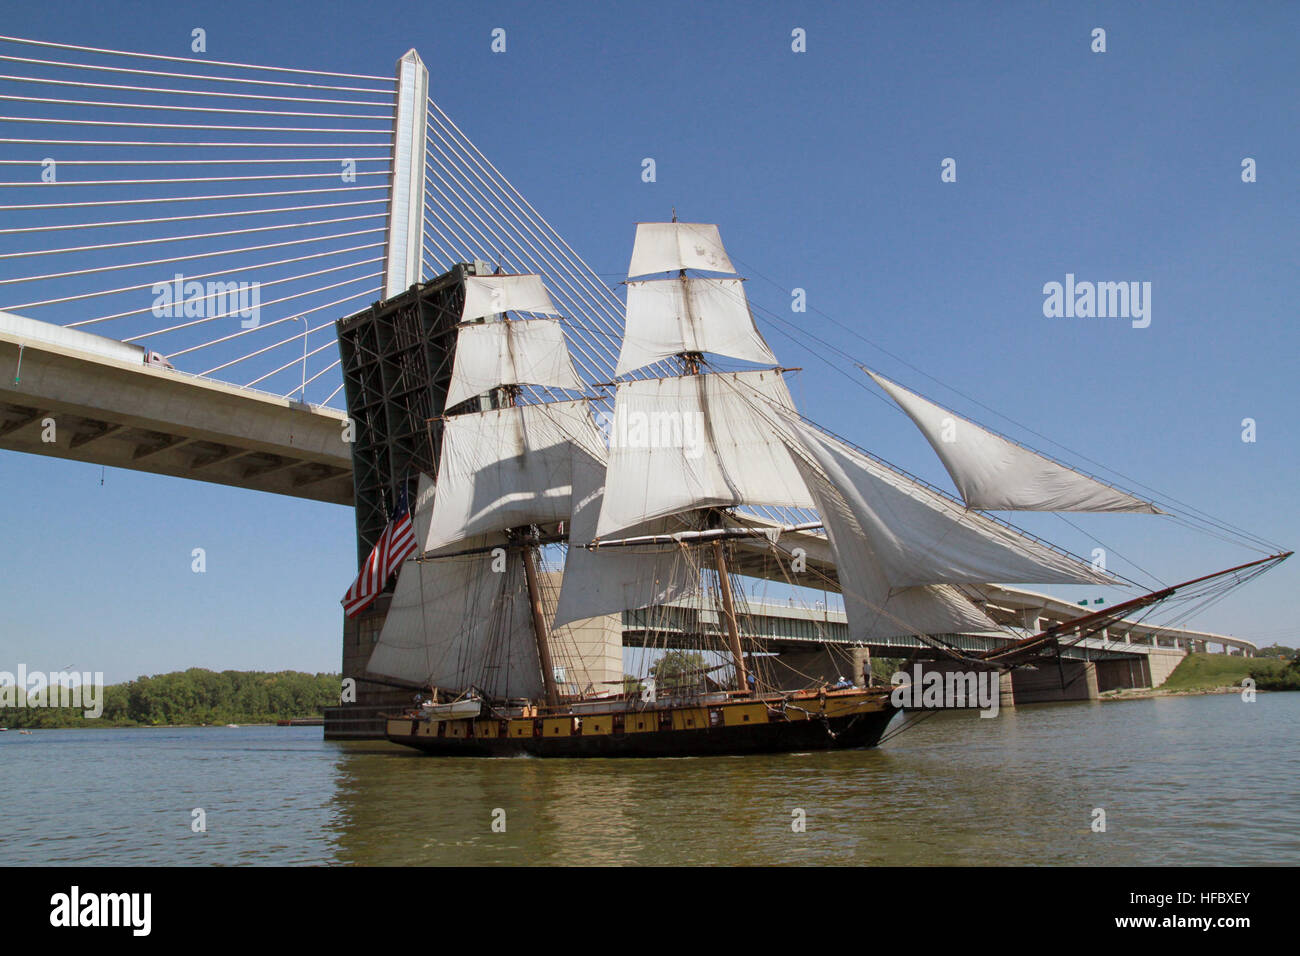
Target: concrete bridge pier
793	669
1025	685
1072	680
1006	696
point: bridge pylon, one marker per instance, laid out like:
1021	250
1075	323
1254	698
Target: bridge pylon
404	243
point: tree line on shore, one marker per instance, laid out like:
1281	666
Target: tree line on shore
1284	674
194	696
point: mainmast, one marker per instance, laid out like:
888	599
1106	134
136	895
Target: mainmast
729	612
901	550
685	317
539	629
691	362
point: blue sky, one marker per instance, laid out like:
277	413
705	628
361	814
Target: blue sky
823	170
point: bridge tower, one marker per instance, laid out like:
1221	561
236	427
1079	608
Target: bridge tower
404	244
396	359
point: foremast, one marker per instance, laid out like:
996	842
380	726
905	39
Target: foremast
504	478
514	356
691	363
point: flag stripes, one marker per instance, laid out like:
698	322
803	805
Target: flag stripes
394	546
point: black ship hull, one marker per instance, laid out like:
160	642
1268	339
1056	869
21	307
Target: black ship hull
838	724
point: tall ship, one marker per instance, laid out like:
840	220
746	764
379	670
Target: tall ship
658	494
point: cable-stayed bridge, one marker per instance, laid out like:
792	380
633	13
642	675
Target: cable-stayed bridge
178	236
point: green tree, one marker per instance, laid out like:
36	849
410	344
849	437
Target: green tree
679	670
195	696
632	685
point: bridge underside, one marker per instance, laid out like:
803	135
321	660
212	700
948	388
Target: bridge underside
64	402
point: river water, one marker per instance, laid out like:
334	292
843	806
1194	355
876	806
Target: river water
1188	780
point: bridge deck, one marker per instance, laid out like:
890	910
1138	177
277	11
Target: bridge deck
786	626
70	395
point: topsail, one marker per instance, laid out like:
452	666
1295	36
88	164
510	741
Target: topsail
492	295
671	316
490	354
508	467
697	441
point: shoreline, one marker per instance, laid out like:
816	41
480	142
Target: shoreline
1142	693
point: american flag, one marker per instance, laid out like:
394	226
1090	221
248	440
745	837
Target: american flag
393	547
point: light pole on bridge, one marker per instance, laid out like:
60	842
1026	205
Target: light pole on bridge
303	393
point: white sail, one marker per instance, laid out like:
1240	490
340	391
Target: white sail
615	579
697	441
422	509
670	246
490	295
454	622
526	352
917	536
508	467
994	474
874	609
669	316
